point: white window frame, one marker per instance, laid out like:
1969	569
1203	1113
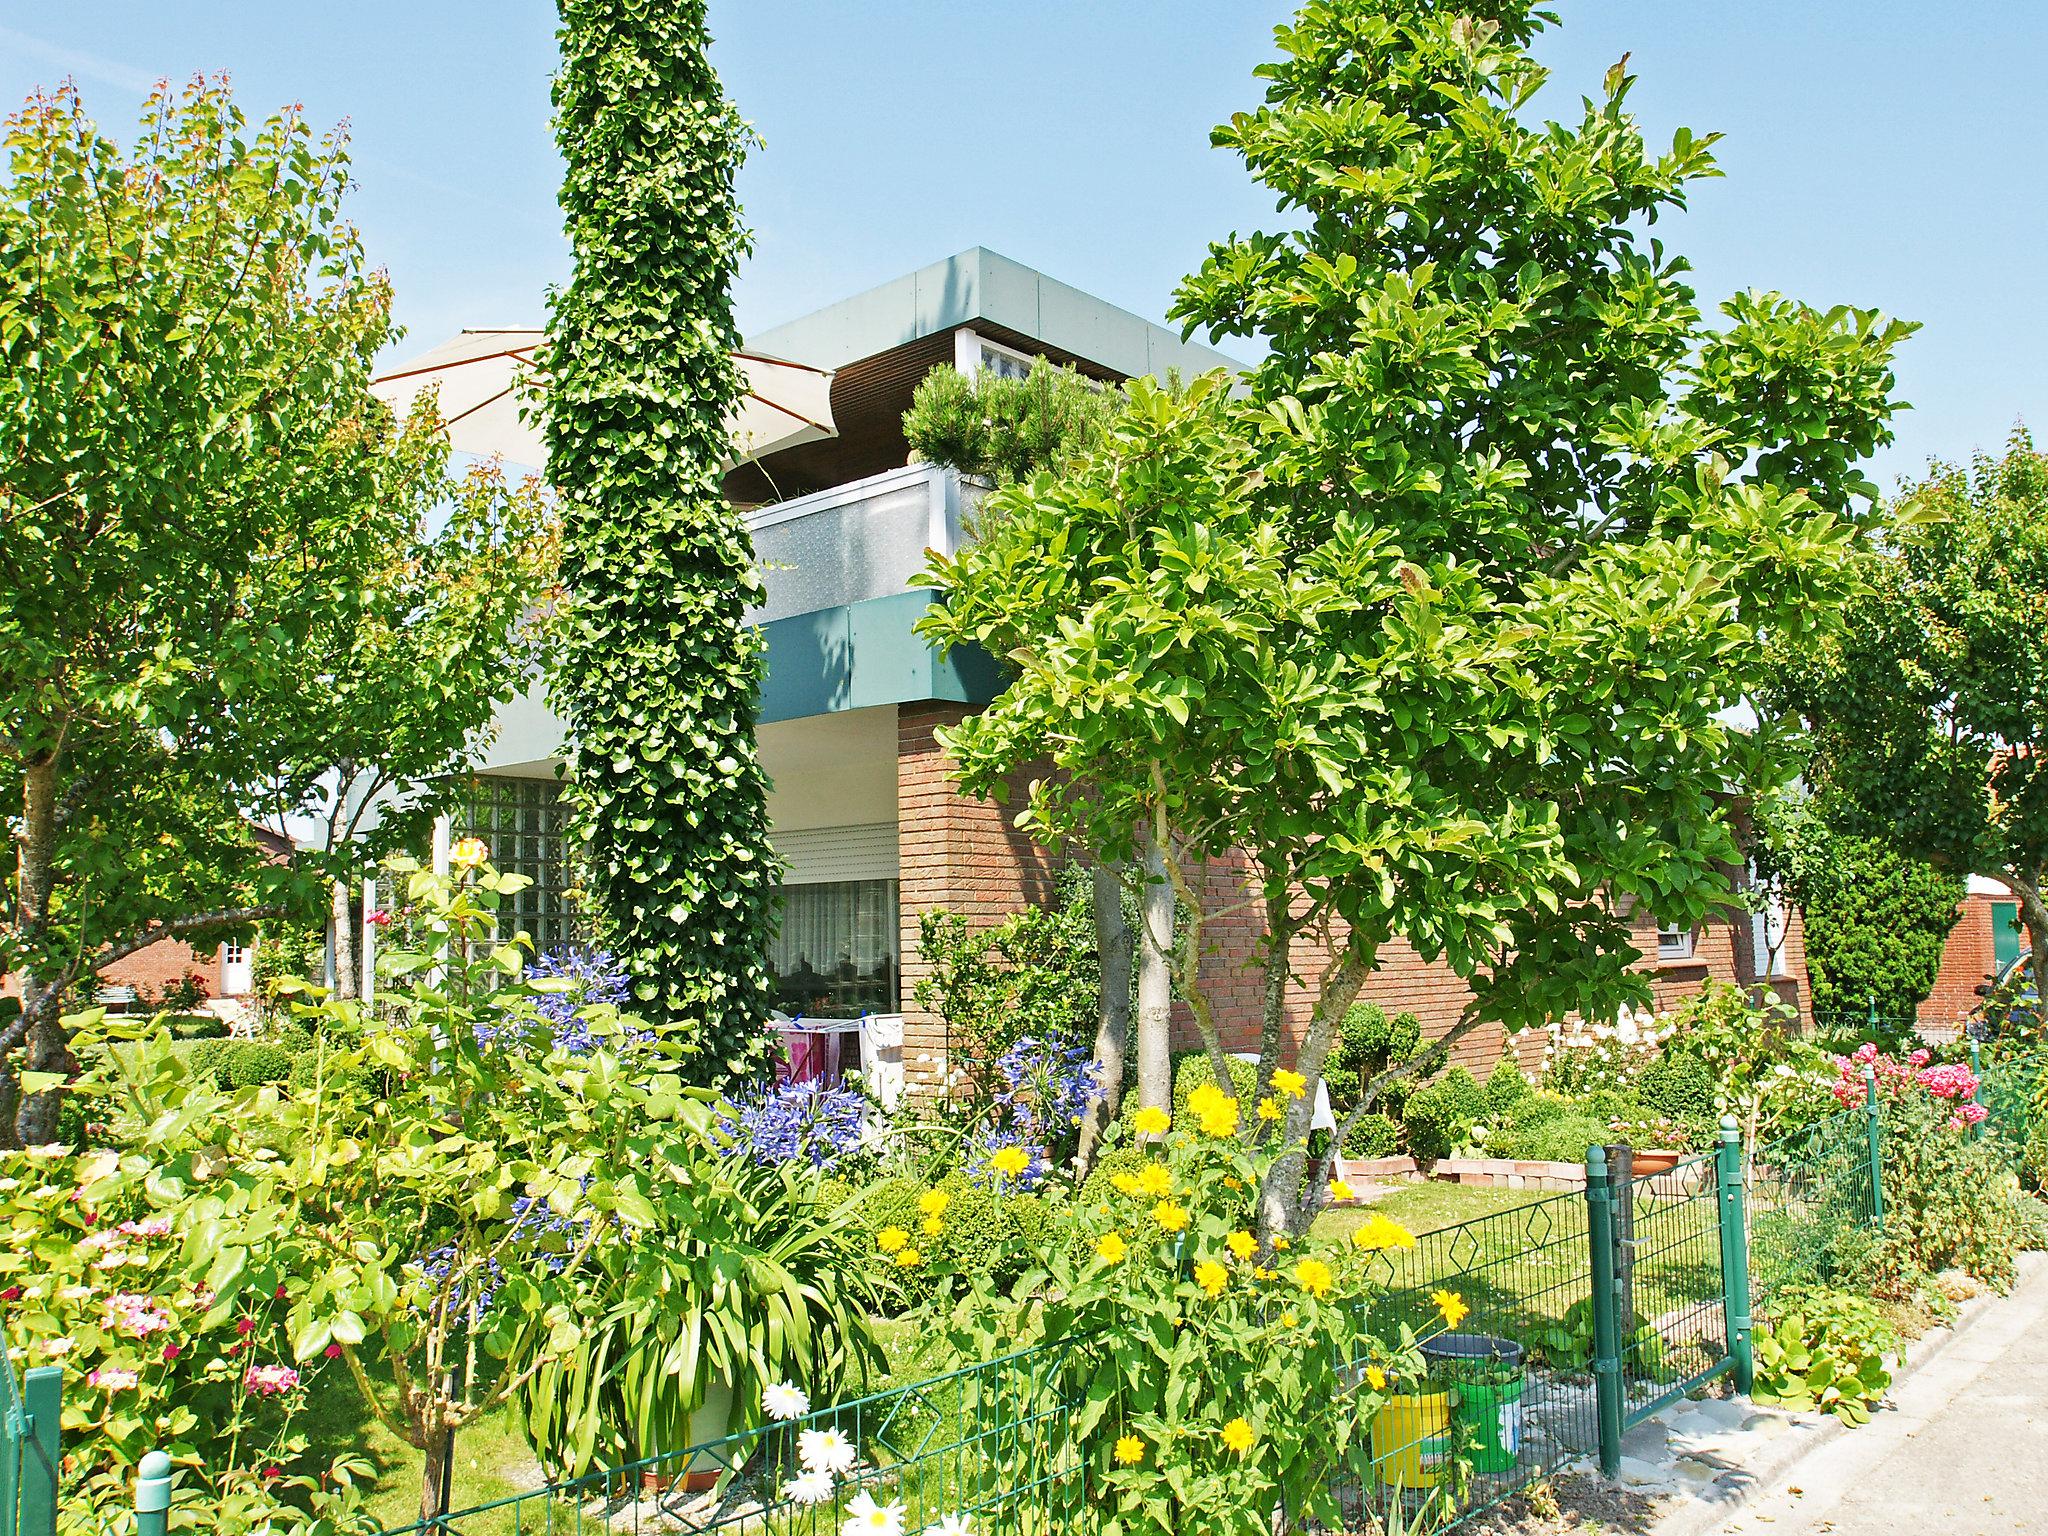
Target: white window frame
971	351
1675	943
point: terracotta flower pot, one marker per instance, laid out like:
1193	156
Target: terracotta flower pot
1648	1160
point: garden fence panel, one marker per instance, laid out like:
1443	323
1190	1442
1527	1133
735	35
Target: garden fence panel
2011	1093
1807	1194
1674	1331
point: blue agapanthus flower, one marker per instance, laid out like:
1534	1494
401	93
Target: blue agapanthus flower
537	1230
1047	1087
599	979
792	1121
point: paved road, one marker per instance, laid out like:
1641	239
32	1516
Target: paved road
1965	1453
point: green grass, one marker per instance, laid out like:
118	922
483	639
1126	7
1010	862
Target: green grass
1426	1207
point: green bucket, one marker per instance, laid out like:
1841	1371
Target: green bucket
1488	1374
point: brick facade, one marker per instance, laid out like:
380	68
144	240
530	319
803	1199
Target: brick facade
965	855
1968	961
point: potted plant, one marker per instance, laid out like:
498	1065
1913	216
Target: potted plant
1655	1143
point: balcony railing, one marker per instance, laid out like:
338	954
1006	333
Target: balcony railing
856	541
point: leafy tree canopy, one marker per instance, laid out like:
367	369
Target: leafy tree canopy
1437	623
1930	710
232	586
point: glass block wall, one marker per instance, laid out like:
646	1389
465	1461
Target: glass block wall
524	821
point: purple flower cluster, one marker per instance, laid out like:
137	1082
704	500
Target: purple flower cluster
1047	1087
599	979
536	1226
798	1120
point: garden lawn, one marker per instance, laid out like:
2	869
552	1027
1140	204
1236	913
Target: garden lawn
1426	1207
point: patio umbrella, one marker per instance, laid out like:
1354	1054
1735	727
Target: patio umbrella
481	374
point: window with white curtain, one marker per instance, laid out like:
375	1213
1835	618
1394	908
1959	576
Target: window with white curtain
835	952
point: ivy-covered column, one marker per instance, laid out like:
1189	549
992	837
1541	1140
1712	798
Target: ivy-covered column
658	668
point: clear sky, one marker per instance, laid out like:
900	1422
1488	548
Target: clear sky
1879	153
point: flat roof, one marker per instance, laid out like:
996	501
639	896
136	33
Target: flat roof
981	284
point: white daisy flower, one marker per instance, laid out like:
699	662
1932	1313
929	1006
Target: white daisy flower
825	1450
952	1525
864	1517
808	1488
785	1402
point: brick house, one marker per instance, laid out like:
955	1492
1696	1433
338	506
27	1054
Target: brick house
864	814
1985	940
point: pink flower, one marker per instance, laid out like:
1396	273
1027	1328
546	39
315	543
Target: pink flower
1920	1058
379	919
136	1315
111	1379
333	1351
149	1226
12	1293
245	1326
269	1380
270	1473
1866	1052
172	1351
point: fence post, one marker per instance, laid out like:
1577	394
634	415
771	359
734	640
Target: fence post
1977	1093
1873	1123
153	1494
1873	1016
42	1401
1607	1385
1735	1297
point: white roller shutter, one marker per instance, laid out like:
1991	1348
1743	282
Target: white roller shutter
815	855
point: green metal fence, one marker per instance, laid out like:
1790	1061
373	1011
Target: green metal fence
28	1451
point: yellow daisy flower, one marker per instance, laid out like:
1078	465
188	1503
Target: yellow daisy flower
933	1226
1378	1232
1289	1319
1151	1121
1125	1183
909	1258
1270	1110
1315	1277
1241	1244
1450	1306
1293	1084
1173	1217
1130	1450
1376	1378
1238	1436
1211	1277
1283	1243
1111	1247
892	1239
1339	1190
1010	1162
1154	1181
933	1202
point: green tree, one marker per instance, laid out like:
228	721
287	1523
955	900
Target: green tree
219	599
1930	711
1002	428
658	666
1435	627
1877	920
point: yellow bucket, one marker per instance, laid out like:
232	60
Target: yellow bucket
1411	1439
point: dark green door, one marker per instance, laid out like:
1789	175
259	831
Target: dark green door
2005	933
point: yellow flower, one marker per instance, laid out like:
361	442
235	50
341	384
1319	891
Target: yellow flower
1130	1450
909	1258
1232	1181
1269	1109
1206	1098
1238	1436
1211	1277
1293	1084
1451	1306
891	1239
1282	1243
1010	1162
933	1202
1262	1273
1112	1247
1242	1244
469	853
1376	1378
1154	1181
1314	1276
933	1226
1379	1232
1151	1121
1174	1218
1126	1183
1288	1319
1215	1109
1339	1190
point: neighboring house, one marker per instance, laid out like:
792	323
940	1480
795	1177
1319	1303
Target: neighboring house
864	815
1985	940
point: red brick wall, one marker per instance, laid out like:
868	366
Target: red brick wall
953	852
965	855
152	968
1967	961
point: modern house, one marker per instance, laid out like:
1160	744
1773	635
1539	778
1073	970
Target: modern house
865	818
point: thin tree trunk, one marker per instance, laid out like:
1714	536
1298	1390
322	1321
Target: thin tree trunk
1155	982
1286	1204
1113	1011
341	922
42	995
435	1471
2034	913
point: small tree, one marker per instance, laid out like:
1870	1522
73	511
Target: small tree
1930	711
1436	627
219	600
1006	429
658	665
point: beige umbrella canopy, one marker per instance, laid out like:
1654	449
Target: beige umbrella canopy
481	376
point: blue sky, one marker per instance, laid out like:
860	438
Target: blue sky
1878	153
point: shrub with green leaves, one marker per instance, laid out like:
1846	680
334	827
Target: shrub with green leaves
1373	1135
253	1064
1368	1042
1506	1087
1440	1115
1002	428
1822	1349
1560	1138
977	1233
1678	1087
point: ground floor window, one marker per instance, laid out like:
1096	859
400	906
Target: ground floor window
524	822
835	953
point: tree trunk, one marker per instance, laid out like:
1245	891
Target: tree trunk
341	923
42	997
1113	1011
2034	914
435	1472
1286	1204
1155	983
